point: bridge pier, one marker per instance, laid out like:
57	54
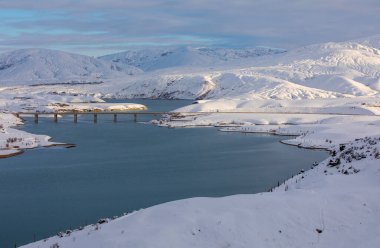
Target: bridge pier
95	118
114	117
55	117
75	117
135	117
35	118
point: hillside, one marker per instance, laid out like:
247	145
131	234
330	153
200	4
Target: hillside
33	66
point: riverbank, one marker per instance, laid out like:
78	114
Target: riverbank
7	153
14	141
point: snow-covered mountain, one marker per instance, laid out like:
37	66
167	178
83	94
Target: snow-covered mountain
160	58
345	69
28	66
329	70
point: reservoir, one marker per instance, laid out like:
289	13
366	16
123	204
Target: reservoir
125	166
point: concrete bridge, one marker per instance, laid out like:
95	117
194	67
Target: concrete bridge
136	113
95	114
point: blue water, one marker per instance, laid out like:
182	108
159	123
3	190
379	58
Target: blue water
125	166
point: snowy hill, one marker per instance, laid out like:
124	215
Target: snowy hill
28	66
159	58
348	67
345	69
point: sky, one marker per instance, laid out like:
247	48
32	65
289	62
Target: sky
98	27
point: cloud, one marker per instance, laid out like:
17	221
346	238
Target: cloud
115	25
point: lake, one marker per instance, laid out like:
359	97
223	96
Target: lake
125	166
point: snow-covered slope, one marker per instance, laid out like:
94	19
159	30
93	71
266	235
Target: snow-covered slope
32	66
168	57
330	70
348	67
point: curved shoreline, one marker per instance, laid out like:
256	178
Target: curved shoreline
282	141
14	130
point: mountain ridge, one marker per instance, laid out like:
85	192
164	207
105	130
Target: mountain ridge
152	59
327	70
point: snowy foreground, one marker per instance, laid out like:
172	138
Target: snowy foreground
326	95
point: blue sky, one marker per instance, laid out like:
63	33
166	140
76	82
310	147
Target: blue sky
97	27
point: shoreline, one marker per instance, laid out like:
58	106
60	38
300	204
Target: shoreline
282	141
41	141
12	154
22	150
220	129
64	145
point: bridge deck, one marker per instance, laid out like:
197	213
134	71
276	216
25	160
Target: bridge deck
185	113
93	112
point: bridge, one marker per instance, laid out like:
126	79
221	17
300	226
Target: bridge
136	113
94	113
